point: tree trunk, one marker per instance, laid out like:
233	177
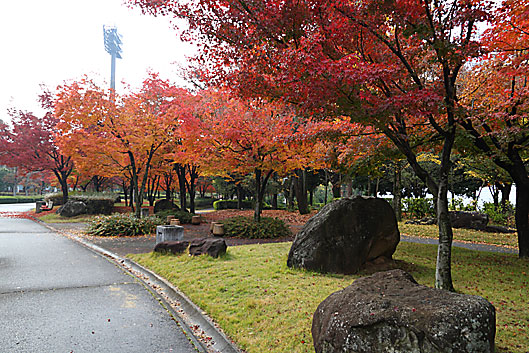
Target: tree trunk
443	272
131	196
495	192
181	173
260	187
397	193
505	193
125	192
135	186
191	186
301	192
443	269
522	218
15	181
326	187
258	197
238	188
274	201
290	196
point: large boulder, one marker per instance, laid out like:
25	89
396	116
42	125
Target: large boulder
390	312
346	234
469	220
214	247
174	247
163	204
72	209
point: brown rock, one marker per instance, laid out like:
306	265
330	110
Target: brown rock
390	312
174	247
214	247
344	235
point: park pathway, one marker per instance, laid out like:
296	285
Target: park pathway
58	296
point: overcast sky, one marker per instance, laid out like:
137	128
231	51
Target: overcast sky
50	41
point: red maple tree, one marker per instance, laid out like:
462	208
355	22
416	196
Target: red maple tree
30	143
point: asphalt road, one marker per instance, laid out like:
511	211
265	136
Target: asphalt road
58	296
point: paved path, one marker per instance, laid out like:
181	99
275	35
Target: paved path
459	244
16	207
58	296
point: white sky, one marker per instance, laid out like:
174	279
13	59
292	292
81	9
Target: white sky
50	41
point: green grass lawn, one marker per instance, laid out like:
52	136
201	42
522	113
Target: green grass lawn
55	218
465	235
265	306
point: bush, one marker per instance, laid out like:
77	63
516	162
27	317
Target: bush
204	202
499	216
18	199
122	225
183	216
231	204
419	207
96	203
245	227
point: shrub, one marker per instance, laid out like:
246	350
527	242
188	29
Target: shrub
245	227
497	215
96	203
419	207
231	204
18	199
204	202
183	216
122	225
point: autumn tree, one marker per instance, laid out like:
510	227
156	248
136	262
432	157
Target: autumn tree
497	104
239	137
30	144
392	65
123	131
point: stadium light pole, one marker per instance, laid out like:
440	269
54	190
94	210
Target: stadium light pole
113	47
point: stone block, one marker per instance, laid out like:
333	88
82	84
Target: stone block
169	233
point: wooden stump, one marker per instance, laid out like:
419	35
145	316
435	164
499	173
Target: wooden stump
174	222
218	229
196	220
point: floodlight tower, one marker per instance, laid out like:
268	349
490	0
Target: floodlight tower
113	47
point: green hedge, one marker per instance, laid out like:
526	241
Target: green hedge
122	225
231	204
245	227
19	199
96	203
204	202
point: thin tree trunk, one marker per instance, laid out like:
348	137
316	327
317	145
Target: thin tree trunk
301	192
397	193
505	193
260	188
443	270
181	173
521	217
125	192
